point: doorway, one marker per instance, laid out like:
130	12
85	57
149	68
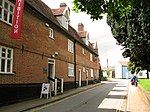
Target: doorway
87	77
80	79
51	72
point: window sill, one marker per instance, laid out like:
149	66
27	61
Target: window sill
52	38
71	76
6	22
7	73
71	52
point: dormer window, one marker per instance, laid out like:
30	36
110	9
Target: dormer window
65	22
63	15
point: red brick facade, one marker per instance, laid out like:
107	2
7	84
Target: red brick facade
32	52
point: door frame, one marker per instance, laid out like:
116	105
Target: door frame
87	75
51	71
80	78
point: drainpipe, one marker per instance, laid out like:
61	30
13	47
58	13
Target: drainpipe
75	64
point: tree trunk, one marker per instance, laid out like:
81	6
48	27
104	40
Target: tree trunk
147	74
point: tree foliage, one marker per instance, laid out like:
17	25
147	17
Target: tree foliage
130	24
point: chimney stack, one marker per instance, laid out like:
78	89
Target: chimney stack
63	5
80	27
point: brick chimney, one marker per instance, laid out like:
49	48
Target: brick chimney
63	5
80	27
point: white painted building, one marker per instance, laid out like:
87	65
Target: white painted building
143	74
121	70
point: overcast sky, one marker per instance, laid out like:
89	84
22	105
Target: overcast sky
98	31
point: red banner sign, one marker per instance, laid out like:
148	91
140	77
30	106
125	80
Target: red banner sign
17	20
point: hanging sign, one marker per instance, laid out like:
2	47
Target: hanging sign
17	20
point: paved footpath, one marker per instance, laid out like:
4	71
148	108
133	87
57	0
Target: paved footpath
136	102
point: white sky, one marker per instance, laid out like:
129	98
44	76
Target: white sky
98	31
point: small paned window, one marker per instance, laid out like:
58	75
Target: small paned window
92	73
91	57
83	52
51	33
6	11
70	69
6	59
70	46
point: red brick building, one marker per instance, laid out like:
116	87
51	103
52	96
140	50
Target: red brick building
48	48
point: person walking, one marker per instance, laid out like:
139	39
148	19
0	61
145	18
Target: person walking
134	80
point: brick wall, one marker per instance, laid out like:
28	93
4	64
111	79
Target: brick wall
83	60
32	51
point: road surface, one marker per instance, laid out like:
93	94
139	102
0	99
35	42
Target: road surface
108	97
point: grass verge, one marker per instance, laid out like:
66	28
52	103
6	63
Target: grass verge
145	83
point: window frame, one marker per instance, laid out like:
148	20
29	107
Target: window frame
64	22
84	69
51	33
92	73
9	12
6	60
70	46
91	57
70	69
83	51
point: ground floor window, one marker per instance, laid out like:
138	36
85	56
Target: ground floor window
6	59
70	69
92	73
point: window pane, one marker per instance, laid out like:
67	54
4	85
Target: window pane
0	12
10	18
11	8
8	65
5	15
9	54
1	2
6	5
2	65
3	52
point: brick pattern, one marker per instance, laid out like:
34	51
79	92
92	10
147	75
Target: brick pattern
32	51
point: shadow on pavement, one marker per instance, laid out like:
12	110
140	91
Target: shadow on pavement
111	110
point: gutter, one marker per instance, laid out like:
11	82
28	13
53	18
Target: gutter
75	65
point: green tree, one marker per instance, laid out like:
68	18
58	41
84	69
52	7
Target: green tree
130	24
108	73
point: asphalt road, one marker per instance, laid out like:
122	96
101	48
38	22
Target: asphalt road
108	97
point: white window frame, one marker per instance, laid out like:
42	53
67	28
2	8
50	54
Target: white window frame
3	9
83	51
51	33
91	57
65	22
83	69
6	60
92	73
70	46
70	70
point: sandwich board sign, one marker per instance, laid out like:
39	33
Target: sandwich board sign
45	90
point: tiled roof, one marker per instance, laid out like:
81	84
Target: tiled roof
75	34
59	11
123	63
44	10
